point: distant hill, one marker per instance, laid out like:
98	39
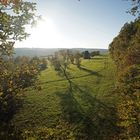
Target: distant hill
102	51
46	51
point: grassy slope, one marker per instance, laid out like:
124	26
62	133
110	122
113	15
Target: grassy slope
84	113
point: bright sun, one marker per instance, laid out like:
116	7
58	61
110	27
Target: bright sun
43	35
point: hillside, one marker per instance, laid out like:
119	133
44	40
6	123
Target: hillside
85	113
45	52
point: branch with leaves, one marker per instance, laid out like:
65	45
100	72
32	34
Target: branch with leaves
14	16
135	9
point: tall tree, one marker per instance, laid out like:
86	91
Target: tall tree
14	16
125	51
61	63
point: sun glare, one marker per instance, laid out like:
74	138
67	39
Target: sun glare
43	35
46	34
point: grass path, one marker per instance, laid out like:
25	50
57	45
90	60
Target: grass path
84	113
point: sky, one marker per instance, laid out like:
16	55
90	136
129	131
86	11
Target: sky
77	24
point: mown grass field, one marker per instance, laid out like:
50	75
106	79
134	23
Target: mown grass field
85	113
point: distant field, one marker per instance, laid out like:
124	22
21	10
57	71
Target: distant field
47	51
83	114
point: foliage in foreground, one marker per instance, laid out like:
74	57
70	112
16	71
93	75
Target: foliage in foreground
125	51
14	15
15	78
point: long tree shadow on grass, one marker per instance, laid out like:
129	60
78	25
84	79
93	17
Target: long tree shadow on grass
98	121
76	77
74	114
90	71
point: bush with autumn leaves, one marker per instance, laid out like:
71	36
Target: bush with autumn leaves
125	51
14	77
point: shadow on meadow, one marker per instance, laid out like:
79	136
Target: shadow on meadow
90	73
96	122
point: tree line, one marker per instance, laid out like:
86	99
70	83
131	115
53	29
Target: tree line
15	74
125	51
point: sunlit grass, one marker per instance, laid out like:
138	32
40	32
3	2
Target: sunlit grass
49	107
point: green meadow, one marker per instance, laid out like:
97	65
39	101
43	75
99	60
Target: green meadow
84	113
